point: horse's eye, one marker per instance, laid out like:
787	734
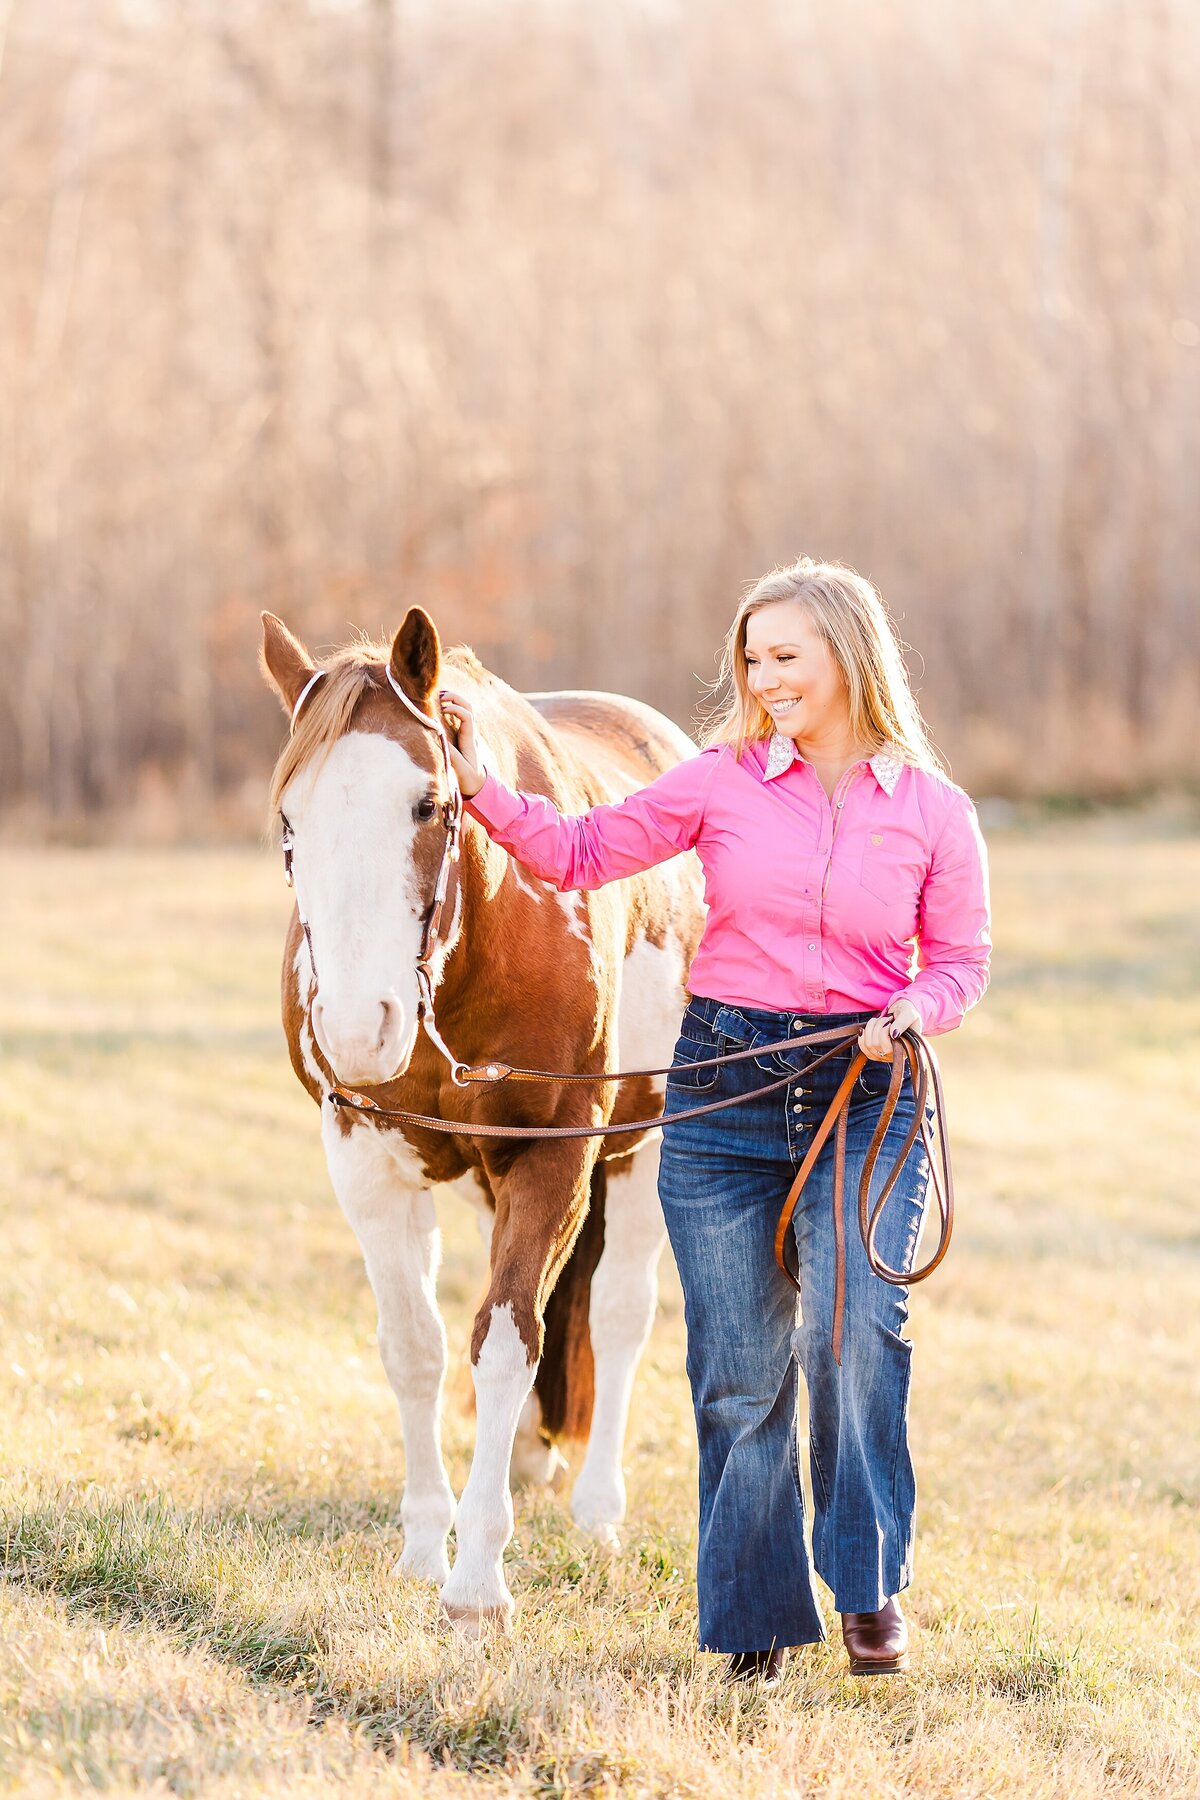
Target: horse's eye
426	808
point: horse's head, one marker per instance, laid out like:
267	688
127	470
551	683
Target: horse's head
362	788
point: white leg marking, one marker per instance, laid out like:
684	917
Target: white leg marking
381	1190
503	1375
621	1311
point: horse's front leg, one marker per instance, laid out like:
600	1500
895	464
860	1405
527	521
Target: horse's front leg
540	1201
381	1191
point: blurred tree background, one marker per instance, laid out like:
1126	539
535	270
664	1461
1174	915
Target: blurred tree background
568	319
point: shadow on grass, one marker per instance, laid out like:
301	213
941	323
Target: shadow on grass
246	1588
301	1603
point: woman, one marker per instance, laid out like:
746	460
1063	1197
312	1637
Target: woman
831	839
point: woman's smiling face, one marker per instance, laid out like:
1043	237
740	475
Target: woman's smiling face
791	671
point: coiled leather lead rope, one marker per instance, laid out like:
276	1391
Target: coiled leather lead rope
910	1053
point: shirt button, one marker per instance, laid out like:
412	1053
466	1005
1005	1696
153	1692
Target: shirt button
812	946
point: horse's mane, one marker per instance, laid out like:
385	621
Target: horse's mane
351	672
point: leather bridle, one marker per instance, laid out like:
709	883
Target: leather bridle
911	1053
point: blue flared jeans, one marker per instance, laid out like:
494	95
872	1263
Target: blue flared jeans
722	1182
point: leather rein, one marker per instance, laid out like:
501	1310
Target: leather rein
911	1054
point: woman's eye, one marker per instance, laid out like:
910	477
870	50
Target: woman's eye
426	808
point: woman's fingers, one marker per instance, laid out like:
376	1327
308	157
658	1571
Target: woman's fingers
878	1036
904	1017
457	713
460	724
454	707
875	1041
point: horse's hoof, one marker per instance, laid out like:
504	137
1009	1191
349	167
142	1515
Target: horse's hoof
537	1465
423	1562
598	1506
476	1622
604	1534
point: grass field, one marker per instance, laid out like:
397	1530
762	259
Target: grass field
201	1463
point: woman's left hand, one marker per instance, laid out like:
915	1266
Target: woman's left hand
877	1039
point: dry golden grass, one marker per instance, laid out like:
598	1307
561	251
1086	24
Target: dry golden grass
201	1464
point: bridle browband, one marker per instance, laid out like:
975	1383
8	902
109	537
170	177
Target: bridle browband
911	1052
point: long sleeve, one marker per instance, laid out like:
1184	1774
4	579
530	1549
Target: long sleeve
588	849
954	940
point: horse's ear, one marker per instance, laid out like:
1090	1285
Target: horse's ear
416	660
285	662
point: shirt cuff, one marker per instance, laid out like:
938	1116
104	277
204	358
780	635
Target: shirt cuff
494	805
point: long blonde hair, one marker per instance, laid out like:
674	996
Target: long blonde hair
849	614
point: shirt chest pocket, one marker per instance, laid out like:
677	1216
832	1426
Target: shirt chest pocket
892	868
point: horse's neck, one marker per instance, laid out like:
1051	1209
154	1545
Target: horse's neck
482	866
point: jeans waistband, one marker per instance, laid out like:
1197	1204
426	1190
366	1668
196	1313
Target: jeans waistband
781	1023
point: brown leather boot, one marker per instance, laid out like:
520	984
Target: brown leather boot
877	1642
763	1666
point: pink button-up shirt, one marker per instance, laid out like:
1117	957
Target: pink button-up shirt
813	906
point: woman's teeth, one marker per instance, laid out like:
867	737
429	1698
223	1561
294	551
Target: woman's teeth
784	706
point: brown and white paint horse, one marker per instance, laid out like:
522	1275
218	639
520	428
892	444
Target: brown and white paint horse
524	975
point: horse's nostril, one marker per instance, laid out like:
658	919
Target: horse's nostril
390	1022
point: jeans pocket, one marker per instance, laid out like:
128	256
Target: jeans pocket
737	1033
874	1079
689	1052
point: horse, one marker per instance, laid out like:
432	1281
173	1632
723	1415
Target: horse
518	972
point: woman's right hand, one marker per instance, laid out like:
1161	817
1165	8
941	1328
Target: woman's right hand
460	729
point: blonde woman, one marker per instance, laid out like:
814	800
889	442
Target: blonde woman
832	841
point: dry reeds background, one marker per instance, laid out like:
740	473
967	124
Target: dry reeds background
566	321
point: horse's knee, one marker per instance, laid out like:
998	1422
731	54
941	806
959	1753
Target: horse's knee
414	1365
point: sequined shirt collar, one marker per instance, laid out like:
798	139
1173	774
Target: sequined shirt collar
782	753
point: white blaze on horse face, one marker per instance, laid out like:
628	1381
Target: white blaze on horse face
355	828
